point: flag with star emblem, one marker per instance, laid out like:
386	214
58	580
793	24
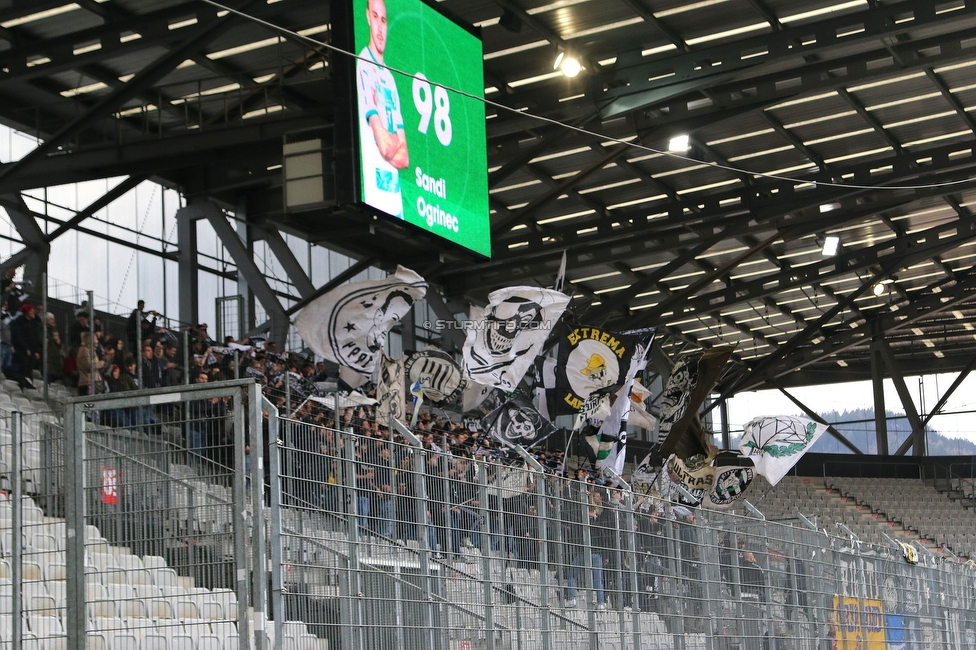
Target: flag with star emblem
349	324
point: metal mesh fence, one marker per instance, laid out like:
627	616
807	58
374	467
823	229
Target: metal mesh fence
170	536
385	544
146	535
32	576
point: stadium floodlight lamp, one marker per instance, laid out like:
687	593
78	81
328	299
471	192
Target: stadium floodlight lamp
879	289
830	245
568	64
679	143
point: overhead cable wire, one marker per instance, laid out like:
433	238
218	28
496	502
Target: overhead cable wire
578	129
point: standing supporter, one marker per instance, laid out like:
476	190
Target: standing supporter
152	372
573	524
55	352
198	434
27	340
383	480
89	378
140	327
365	486
12	291
172	374
6	349
80	325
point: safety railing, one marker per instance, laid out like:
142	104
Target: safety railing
386	543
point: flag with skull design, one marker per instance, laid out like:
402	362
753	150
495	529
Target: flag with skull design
590	363
515	422
349	324
510	334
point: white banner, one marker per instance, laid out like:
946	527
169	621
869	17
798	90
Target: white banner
505	338
776	443
349	324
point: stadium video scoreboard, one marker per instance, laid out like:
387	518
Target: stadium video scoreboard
417	149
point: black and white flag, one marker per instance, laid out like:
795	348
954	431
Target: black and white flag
515	422
437	372
732	479
588	360
614	427
692	377
349	324
391	390
509	333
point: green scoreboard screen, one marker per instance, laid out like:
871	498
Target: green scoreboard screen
421	148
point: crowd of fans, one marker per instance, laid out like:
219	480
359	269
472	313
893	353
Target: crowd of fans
152	353
149	354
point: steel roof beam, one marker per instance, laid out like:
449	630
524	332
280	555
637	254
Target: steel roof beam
949	97
96	205
770	198
282	251
813	77
843	338
813	415
152	27
917	436
887	256
155	156
142	81
804	40
31	234
639	8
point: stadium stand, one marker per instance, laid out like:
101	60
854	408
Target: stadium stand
691	582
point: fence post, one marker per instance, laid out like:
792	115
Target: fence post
92	370
351	615
482	468
674	555
258	545
584	503
17	526
186	356
275	444
44	346
74	506
631	541
240	525
423	526
542	515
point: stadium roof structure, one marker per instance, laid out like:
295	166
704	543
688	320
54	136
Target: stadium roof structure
805	120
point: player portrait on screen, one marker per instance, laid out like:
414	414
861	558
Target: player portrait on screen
383	142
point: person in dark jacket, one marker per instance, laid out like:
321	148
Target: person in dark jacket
27	340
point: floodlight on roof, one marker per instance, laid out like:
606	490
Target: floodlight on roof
830	245
827	207
568	64
879	289
679	143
